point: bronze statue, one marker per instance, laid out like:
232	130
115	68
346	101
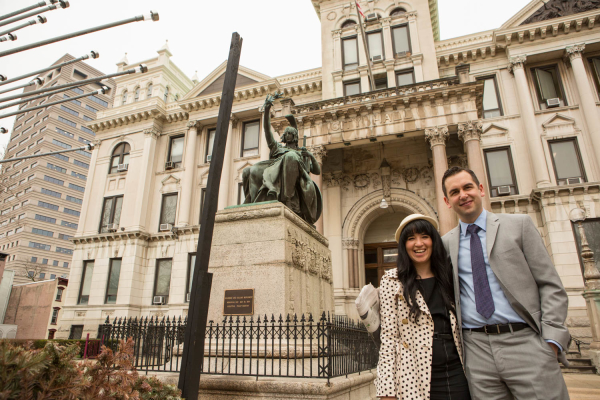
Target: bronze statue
285	176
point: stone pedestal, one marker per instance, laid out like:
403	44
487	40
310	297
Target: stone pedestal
592	298
268	248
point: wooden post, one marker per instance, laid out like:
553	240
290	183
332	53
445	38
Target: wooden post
193	345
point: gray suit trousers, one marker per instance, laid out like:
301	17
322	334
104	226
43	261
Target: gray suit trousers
518	365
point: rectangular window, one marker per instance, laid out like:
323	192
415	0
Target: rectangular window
87	130
210	143
67	109
54	317
86	282
51	193
112	286
90	108
491	98
42	232
62	236
595	64
405	77
86	118
350	53
71	212
69	224
351	88
566	159
381	83
33	259
190	274
54	180
375	43
61	157
45	219
63	250
56	168
74	199
45	261
79	75
401	41
59	293
65	133
48	205
250	138
111	212
82	140
66	121
77	90
55	263
176	150
162	281
80	164
61	144
98	101
76	187
40	246
78	175
501	172
168	209
65	264
548	86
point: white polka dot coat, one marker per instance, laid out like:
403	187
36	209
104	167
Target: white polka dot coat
404	369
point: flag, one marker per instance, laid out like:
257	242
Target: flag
359	9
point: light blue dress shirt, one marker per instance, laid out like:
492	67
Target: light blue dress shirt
504	313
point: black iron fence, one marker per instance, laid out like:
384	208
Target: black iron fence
279	347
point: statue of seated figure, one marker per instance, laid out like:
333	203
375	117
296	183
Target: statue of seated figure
285	176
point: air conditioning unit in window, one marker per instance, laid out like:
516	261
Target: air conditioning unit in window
377	58
158	300
208	158
371	17
555	102
122	167
169	165
187	297
402	54
112	227
503	190
165	227
574	181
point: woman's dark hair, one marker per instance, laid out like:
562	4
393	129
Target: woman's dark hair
440	267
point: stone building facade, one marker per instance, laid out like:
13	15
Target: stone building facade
517	104
41	197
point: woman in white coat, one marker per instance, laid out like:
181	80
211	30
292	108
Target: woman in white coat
420	356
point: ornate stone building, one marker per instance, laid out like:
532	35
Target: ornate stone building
517	104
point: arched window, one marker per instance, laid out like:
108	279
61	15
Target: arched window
124	99
166	94
149	94
348	23
120	155
137	94
397	11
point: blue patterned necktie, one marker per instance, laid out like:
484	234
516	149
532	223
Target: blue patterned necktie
483	295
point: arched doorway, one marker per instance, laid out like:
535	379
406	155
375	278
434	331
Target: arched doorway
380	248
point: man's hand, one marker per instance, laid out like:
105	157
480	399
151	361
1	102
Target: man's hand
554	348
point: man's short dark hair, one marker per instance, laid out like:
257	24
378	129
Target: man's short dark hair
457	170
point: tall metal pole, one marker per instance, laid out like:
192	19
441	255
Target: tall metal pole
366	45
193	345
22	10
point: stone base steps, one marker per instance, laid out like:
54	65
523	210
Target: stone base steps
579	366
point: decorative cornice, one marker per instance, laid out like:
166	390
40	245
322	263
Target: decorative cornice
575	51
152	132
437	135
470	130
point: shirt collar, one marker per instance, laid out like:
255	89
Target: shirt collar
480	222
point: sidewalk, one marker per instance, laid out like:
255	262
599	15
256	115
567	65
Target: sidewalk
583	386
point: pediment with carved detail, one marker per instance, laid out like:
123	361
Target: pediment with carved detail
170	184
559	125
561	8
494	129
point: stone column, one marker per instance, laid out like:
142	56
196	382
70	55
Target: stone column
470	133
365	83
89	185
414	32
334	226
437	139
536	152
187	187
347	245
320	153
387	40
586	96
146	176
337	50
227	161
355	244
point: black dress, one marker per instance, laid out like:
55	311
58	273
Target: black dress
448	381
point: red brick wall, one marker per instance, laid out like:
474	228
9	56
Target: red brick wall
30	307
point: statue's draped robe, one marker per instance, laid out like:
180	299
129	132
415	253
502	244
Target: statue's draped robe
284	177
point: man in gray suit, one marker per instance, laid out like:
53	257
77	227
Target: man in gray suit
509	298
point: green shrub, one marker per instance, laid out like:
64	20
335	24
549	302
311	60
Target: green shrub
31	373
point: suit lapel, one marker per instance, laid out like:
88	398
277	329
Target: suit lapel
491	225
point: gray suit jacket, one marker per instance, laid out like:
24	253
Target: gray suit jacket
521	263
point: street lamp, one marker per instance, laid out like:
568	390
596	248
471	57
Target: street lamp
591	274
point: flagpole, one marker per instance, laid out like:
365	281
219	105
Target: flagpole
365	44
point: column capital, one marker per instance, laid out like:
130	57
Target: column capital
470	130
436	135
575	51
193	124
336	34
516	62
319	152
152	132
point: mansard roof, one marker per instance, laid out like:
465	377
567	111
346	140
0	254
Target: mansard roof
537	11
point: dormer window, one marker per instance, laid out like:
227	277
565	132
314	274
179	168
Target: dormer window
397	11
137	94
149	93
124	98
348	24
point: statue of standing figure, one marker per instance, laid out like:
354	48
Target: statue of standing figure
285	176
